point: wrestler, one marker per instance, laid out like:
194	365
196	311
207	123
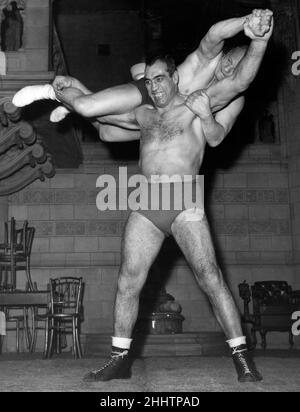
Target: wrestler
174	133
196	72
232	76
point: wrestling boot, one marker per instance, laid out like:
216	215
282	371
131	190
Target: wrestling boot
117	367
244	365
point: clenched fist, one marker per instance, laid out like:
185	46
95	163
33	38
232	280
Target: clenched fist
259	25
199	103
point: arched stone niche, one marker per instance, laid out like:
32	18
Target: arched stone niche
33	53
12	14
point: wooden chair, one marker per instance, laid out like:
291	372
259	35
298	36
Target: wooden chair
16	318
14	256
274	302
16	251
39	319
65	314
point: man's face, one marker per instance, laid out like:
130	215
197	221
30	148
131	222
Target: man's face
229	62
160	85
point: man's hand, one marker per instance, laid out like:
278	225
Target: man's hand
199	103
62	82
259	26
68	96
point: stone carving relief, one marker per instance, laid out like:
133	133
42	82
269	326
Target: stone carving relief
12	24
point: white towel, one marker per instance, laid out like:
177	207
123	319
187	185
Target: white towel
2	324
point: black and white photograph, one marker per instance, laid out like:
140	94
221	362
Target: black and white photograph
149	199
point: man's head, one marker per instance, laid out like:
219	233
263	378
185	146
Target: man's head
161	80
229	62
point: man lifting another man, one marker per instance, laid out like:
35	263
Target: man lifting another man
191	106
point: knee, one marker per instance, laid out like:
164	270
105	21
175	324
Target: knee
210	278
106	133
81	106
131	280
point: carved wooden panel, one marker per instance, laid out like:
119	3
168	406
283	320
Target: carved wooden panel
23	158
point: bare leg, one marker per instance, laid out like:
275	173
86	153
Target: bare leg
141	244
195	241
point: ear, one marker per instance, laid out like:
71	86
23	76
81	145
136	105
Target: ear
176	77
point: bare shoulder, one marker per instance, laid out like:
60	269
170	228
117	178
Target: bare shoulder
196	72
143	111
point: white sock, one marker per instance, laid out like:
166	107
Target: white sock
233	343
122	343
59	114
30	94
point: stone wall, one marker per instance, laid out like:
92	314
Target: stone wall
248	208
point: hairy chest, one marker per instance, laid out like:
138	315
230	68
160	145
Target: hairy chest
165	128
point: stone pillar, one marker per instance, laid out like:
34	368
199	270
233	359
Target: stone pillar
3	215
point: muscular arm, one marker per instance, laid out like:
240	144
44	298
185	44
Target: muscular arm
227	89
215	128
212	44
199	67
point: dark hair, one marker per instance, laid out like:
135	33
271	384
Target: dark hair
169	60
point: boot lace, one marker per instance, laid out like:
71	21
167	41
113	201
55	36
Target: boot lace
114	356
241	358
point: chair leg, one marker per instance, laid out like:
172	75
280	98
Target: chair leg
6	278
32	344
28	336
58	337
74	338
17	336
46	346
28	274
77	339
51	339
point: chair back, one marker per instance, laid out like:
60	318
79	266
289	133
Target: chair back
6	237
19	238
29	236
9	233
272	292
67	293
15	239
